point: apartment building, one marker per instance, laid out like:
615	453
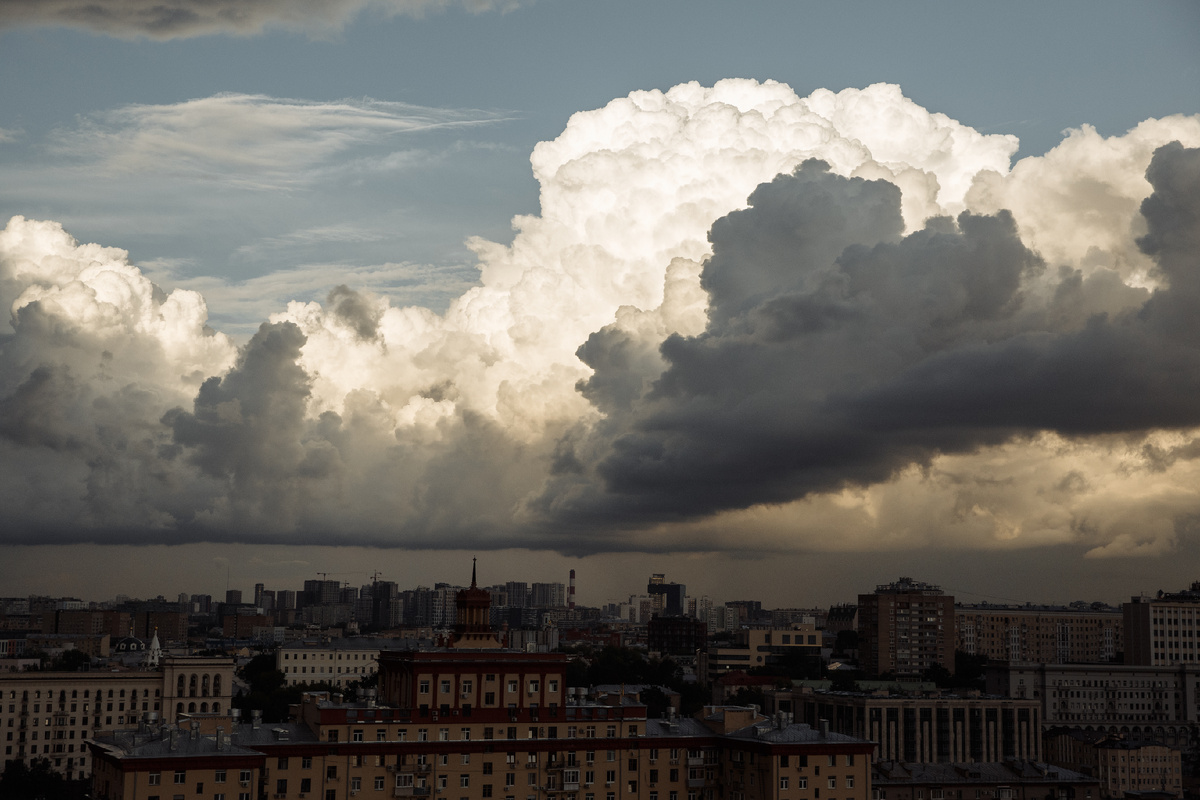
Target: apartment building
1074	634
904	628
1121	765
1163	630
54	715
585	750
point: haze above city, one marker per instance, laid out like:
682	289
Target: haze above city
378	286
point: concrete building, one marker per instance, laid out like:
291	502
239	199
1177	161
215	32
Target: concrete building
1076	634
334	661
1009	780
157	762
760	647
928	727
905	628
586	749
1163	630
54	714
1160	703
1120	765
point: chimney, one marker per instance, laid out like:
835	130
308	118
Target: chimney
823	724
174	739
220	738
255	718
195	729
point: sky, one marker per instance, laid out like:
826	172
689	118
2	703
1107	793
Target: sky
782	299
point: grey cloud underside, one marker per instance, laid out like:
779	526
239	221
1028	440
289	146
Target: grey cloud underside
168	19
839	352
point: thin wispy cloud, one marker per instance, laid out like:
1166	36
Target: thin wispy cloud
251	141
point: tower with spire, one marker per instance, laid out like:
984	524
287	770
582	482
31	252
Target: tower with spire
473	629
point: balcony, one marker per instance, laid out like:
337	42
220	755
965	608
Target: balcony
410	791
695	783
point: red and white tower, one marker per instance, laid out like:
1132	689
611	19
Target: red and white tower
571	591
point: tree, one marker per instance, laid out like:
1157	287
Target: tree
37	781
70	661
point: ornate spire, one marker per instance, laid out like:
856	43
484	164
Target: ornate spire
473	560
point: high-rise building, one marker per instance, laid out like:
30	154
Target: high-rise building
233	597
906	627
1163	630
666	598
547	595
518	594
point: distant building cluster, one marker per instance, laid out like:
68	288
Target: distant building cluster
902	695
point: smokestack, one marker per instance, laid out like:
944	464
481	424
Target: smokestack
571	592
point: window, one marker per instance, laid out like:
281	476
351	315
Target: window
219	775
155	778
833	761
443	734
281	786
244	777
849	781
512	686
331	772
306	762
611	731
464	781
356	736
801	783
355	784
305	785
487	790
283	762
832	782
423	686
378	783
180	776
850	759
422	734
552	686
783	782
445	687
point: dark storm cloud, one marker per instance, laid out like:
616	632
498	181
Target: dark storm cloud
838	352
169	19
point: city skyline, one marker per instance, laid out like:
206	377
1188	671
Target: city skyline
756	306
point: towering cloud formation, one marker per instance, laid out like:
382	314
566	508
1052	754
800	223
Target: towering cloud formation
738	310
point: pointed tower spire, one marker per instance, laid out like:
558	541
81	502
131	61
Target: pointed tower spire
473	560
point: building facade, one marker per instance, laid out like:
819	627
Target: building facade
1160	703
1040	634
930	728
904	628
54	715
1164	630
